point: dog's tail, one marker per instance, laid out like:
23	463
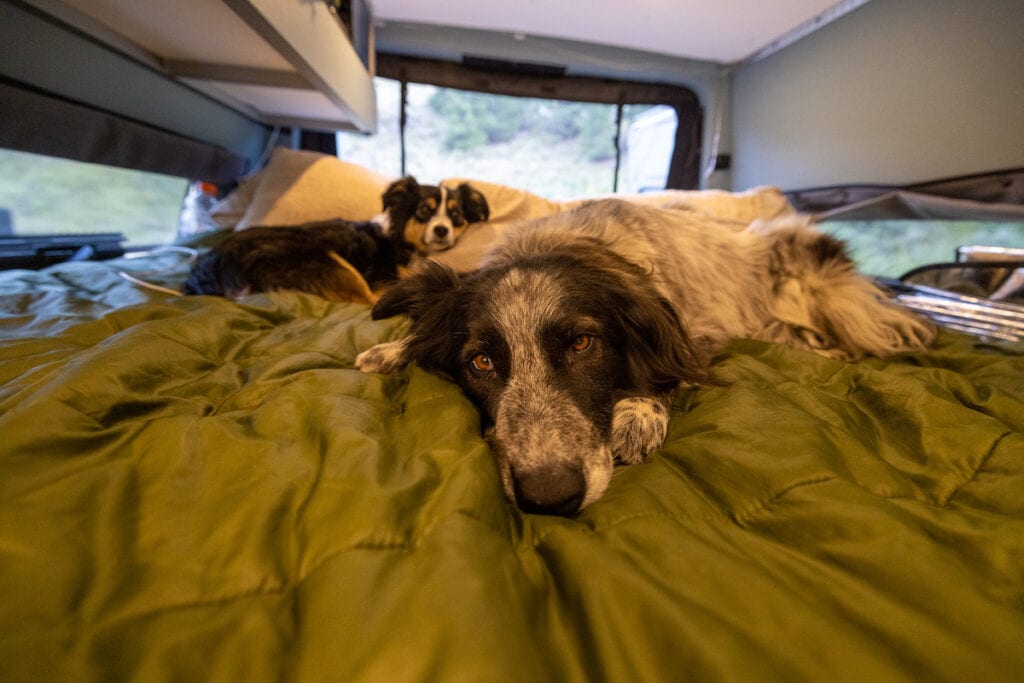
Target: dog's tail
821	303
351	282
847	318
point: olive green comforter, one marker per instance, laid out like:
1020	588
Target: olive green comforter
202	490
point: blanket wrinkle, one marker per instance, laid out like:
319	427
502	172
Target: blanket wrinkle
945	498
761	506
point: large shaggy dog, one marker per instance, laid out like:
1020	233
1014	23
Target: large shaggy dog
579	326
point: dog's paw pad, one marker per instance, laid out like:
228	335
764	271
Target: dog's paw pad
639	425
386	359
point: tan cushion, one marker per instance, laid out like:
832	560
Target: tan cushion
298	186
763	202
508	203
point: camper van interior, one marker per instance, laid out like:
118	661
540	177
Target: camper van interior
209	486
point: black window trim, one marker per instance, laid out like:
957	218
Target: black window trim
537	81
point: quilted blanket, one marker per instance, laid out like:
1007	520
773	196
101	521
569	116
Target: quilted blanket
200	489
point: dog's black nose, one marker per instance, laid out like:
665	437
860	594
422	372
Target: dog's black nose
550	490
440	231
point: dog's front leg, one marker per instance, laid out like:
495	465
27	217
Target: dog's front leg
386	359
639	425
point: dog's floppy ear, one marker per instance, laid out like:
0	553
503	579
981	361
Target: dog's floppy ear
433	300
400	191
415	296
659	353
474	204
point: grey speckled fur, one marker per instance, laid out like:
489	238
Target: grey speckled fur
578	327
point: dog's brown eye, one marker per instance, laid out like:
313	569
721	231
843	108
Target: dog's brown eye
482	363
582	342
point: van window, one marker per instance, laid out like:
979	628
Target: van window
554	148
381	151
42	195
650	135
549	147
892	248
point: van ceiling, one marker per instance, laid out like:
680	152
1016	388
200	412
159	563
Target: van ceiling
723	31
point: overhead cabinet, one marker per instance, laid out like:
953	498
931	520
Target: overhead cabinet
281	63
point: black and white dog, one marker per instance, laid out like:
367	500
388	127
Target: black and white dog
338	259
432	218
574	334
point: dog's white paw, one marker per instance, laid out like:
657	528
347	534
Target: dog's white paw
386	359
639	425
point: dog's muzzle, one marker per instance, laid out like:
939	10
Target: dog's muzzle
556	489
439	237
552	459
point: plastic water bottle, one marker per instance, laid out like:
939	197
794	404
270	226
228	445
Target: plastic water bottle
195	209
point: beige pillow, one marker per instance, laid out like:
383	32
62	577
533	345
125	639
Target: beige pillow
745	207
758	203
508	203
298	186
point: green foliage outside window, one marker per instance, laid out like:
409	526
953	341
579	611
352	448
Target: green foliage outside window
474	120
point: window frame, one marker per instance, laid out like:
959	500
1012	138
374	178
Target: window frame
546	82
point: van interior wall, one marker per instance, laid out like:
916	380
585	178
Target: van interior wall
897	91
707	79
67	95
